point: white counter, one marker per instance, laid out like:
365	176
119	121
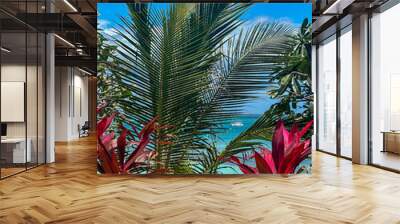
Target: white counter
17	145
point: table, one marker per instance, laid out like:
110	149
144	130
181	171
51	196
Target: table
391	141
13	150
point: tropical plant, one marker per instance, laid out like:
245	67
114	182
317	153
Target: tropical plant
193	66
110	93
127	153
291	79
288	151
104	79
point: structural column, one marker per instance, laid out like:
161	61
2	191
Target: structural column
50	92
360	90
314	90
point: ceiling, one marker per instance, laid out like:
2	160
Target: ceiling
73	21
330	15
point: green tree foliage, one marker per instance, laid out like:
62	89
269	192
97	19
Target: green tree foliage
292	79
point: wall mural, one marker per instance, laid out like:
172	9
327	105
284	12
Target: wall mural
204	88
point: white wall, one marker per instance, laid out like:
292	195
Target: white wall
62	81
12	73
69	112
33	126
80	109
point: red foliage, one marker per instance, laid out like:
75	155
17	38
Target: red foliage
111	152
288	151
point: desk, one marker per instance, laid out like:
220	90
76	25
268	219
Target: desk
13	150
391	141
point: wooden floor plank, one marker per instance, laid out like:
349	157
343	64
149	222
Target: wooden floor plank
70	191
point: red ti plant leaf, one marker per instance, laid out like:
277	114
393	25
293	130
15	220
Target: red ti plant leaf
287	152
108	141
261	164
265	163
243	167
295	151
146	157
144	139
293	159
105	159
292	134
278	143
121	145
148	128
111	151
104	123
305	129
114	162
106	154
108	161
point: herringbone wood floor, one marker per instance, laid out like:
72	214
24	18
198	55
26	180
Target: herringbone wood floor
69	191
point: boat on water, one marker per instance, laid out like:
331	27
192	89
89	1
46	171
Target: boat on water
237	124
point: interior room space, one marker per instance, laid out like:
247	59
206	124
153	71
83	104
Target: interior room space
75	71
48	64
385	89
84	137
22	63
72	103
357	67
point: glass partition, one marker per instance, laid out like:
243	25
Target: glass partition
346	92
385	89
22	77
13	94
327	95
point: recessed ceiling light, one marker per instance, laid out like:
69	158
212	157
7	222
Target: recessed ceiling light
333	6
70	5
84	71
64	40
5	50
337	7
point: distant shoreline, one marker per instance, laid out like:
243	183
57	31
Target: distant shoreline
250	115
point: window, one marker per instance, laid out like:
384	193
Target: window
385	89
327	95
346	92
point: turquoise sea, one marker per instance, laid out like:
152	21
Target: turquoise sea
233	128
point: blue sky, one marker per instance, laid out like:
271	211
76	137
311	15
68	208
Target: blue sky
289	12
292	13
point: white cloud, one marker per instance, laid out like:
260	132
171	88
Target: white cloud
106	28
266	19
102	24
110	31
261	19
